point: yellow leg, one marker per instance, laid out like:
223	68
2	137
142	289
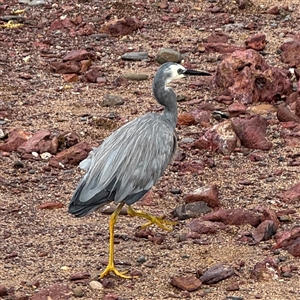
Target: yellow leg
111	265
159	221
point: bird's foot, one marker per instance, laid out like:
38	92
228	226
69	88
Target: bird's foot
159	221
112	268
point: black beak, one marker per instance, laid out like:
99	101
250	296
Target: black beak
198	73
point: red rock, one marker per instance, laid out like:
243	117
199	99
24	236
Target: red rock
221	138
285	115
54	292
62	24
186	283
205	227
289	240
110	297
70	67
221	47
73	155
202	117
50	146
290	53
16	138
265	270
85	64
186	119
3	291
274	10
79	276
291	195
252	132
51	205
32	144
122	26
216	273
237	216
257	42
217	37
88	29
236	109
70	77
77	55
208	194
264	231
91	76
245	76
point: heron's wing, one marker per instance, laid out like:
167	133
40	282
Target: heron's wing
128	163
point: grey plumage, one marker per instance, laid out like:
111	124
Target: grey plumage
131	160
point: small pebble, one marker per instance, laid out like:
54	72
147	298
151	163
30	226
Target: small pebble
141	259
78	292
96	285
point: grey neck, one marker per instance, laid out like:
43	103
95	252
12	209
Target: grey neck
166	97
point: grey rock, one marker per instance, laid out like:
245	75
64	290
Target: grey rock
112	100
78	292
135	56
216	273
191	210
33	2
168	55
135	76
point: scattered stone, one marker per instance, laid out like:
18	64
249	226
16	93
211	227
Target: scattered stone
274	10
252	132
191	210
285	115
222	48
205	227
262	109
236	109
18	164
16	138
118	27
111	297
264	231
221	138
290	53
3	291
289	240
69	67
78	292
188	283
257	42
235	216
96	285
186	119
135	56
51	205
217	37
77	55
245	76
208	194
32	144
265	270
216	273
91	75
54	292
70	77
135	76
112	100
79	276
168	55
292	195
73	155
233	287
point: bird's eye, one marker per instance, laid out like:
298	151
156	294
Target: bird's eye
180	71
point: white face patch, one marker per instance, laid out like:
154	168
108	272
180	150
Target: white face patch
173	70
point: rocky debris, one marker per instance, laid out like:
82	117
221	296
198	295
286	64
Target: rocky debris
222	48
216	273
119	27
168	55
3	291
135	76
96	285
16	137
205	227
154	237
217	37
291	195
252	132
235	216
136	56
186	283
208	194
235	109
112	100
191	210
262	109
289	240
265	270
77	55
53	292
290	53
257	42
221	138
80	277
78	292
51	205
284	114
264	231
186	119
274	10
246	76
73	155
111	297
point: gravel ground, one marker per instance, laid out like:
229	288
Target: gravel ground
40	248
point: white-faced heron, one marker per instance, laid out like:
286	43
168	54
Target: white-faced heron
131	160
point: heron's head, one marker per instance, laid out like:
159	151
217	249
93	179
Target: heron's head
173	71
